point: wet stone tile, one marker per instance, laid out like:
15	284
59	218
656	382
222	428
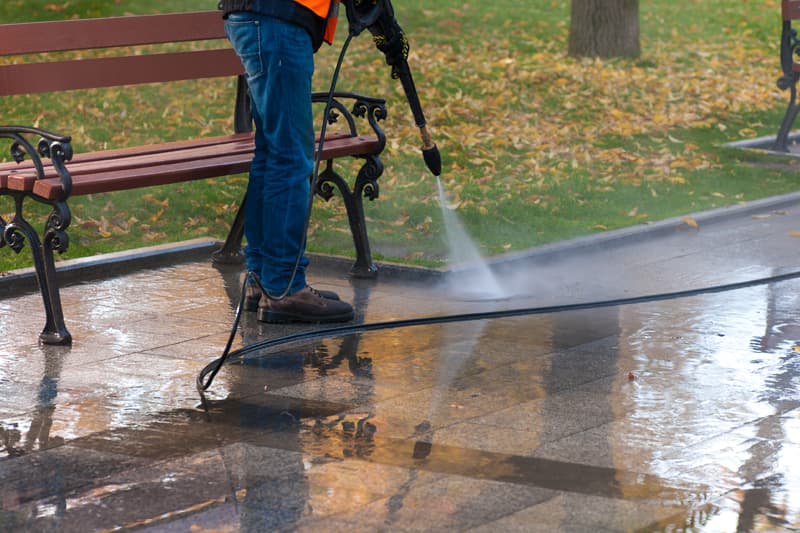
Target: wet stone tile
271	374
249	485
220	317
115	343
449	504
394	307
98	317
18	328
161	435
363	481
341	389
486	438
136	494
625	444
574	512
187	326
439	408
791	421
555	416
459	426
53	424
21	396
197	271
202	349
131	379
56	472
764	505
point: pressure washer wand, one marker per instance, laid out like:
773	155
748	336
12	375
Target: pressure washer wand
430	152
378	17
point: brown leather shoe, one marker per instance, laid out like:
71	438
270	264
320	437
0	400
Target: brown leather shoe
305	305
253	295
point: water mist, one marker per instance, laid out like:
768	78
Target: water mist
476	281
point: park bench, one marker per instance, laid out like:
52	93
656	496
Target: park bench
790	67
45	171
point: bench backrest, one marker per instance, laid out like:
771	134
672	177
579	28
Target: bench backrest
113	32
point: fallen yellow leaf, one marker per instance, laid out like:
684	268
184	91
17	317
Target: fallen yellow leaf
689	221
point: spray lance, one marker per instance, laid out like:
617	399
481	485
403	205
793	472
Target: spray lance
377	16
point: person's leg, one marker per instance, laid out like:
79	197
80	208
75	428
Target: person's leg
283	101
278	58
244	33
254	207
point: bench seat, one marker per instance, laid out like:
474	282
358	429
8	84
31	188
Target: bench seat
160	164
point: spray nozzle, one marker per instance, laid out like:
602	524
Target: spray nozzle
433	160
430	152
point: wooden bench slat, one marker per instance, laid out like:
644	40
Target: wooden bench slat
138	160
30	78
103	155
147	174
80	34
119	180
152	154
135	159
790	9
20	182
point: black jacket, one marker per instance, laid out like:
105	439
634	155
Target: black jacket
287	10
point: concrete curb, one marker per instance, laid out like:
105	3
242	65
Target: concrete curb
75	271
642	232
764	145
113	264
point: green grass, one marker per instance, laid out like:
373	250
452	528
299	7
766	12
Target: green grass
537	147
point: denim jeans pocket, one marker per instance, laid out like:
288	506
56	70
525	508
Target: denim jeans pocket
245	36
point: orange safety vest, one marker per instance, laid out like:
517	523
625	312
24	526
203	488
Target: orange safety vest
326	9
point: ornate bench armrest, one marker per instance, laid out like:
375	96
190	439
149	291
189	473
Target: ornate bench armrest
53	146
374	109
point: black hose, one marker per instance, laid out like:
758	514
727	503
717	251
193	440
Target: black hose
314	178
213	368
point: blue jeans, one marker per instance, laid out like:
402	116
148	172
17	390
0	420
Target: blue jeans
279	63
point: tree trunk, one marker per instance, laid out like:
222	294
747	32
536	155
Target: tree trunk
604	28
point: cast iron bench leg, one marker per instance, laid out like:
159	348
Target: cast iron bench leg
231	251
782	140
55	331
366	185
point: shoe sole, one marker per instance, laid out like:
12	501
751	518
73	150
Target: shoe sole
272	317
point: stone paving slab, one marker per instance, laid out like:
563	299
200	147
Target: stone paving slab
660	416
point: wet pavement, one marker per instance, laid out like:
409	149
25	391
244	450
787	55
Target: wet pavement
665	415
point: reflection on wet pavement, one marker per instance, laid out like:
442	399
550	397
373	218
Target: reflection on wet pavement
679	415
